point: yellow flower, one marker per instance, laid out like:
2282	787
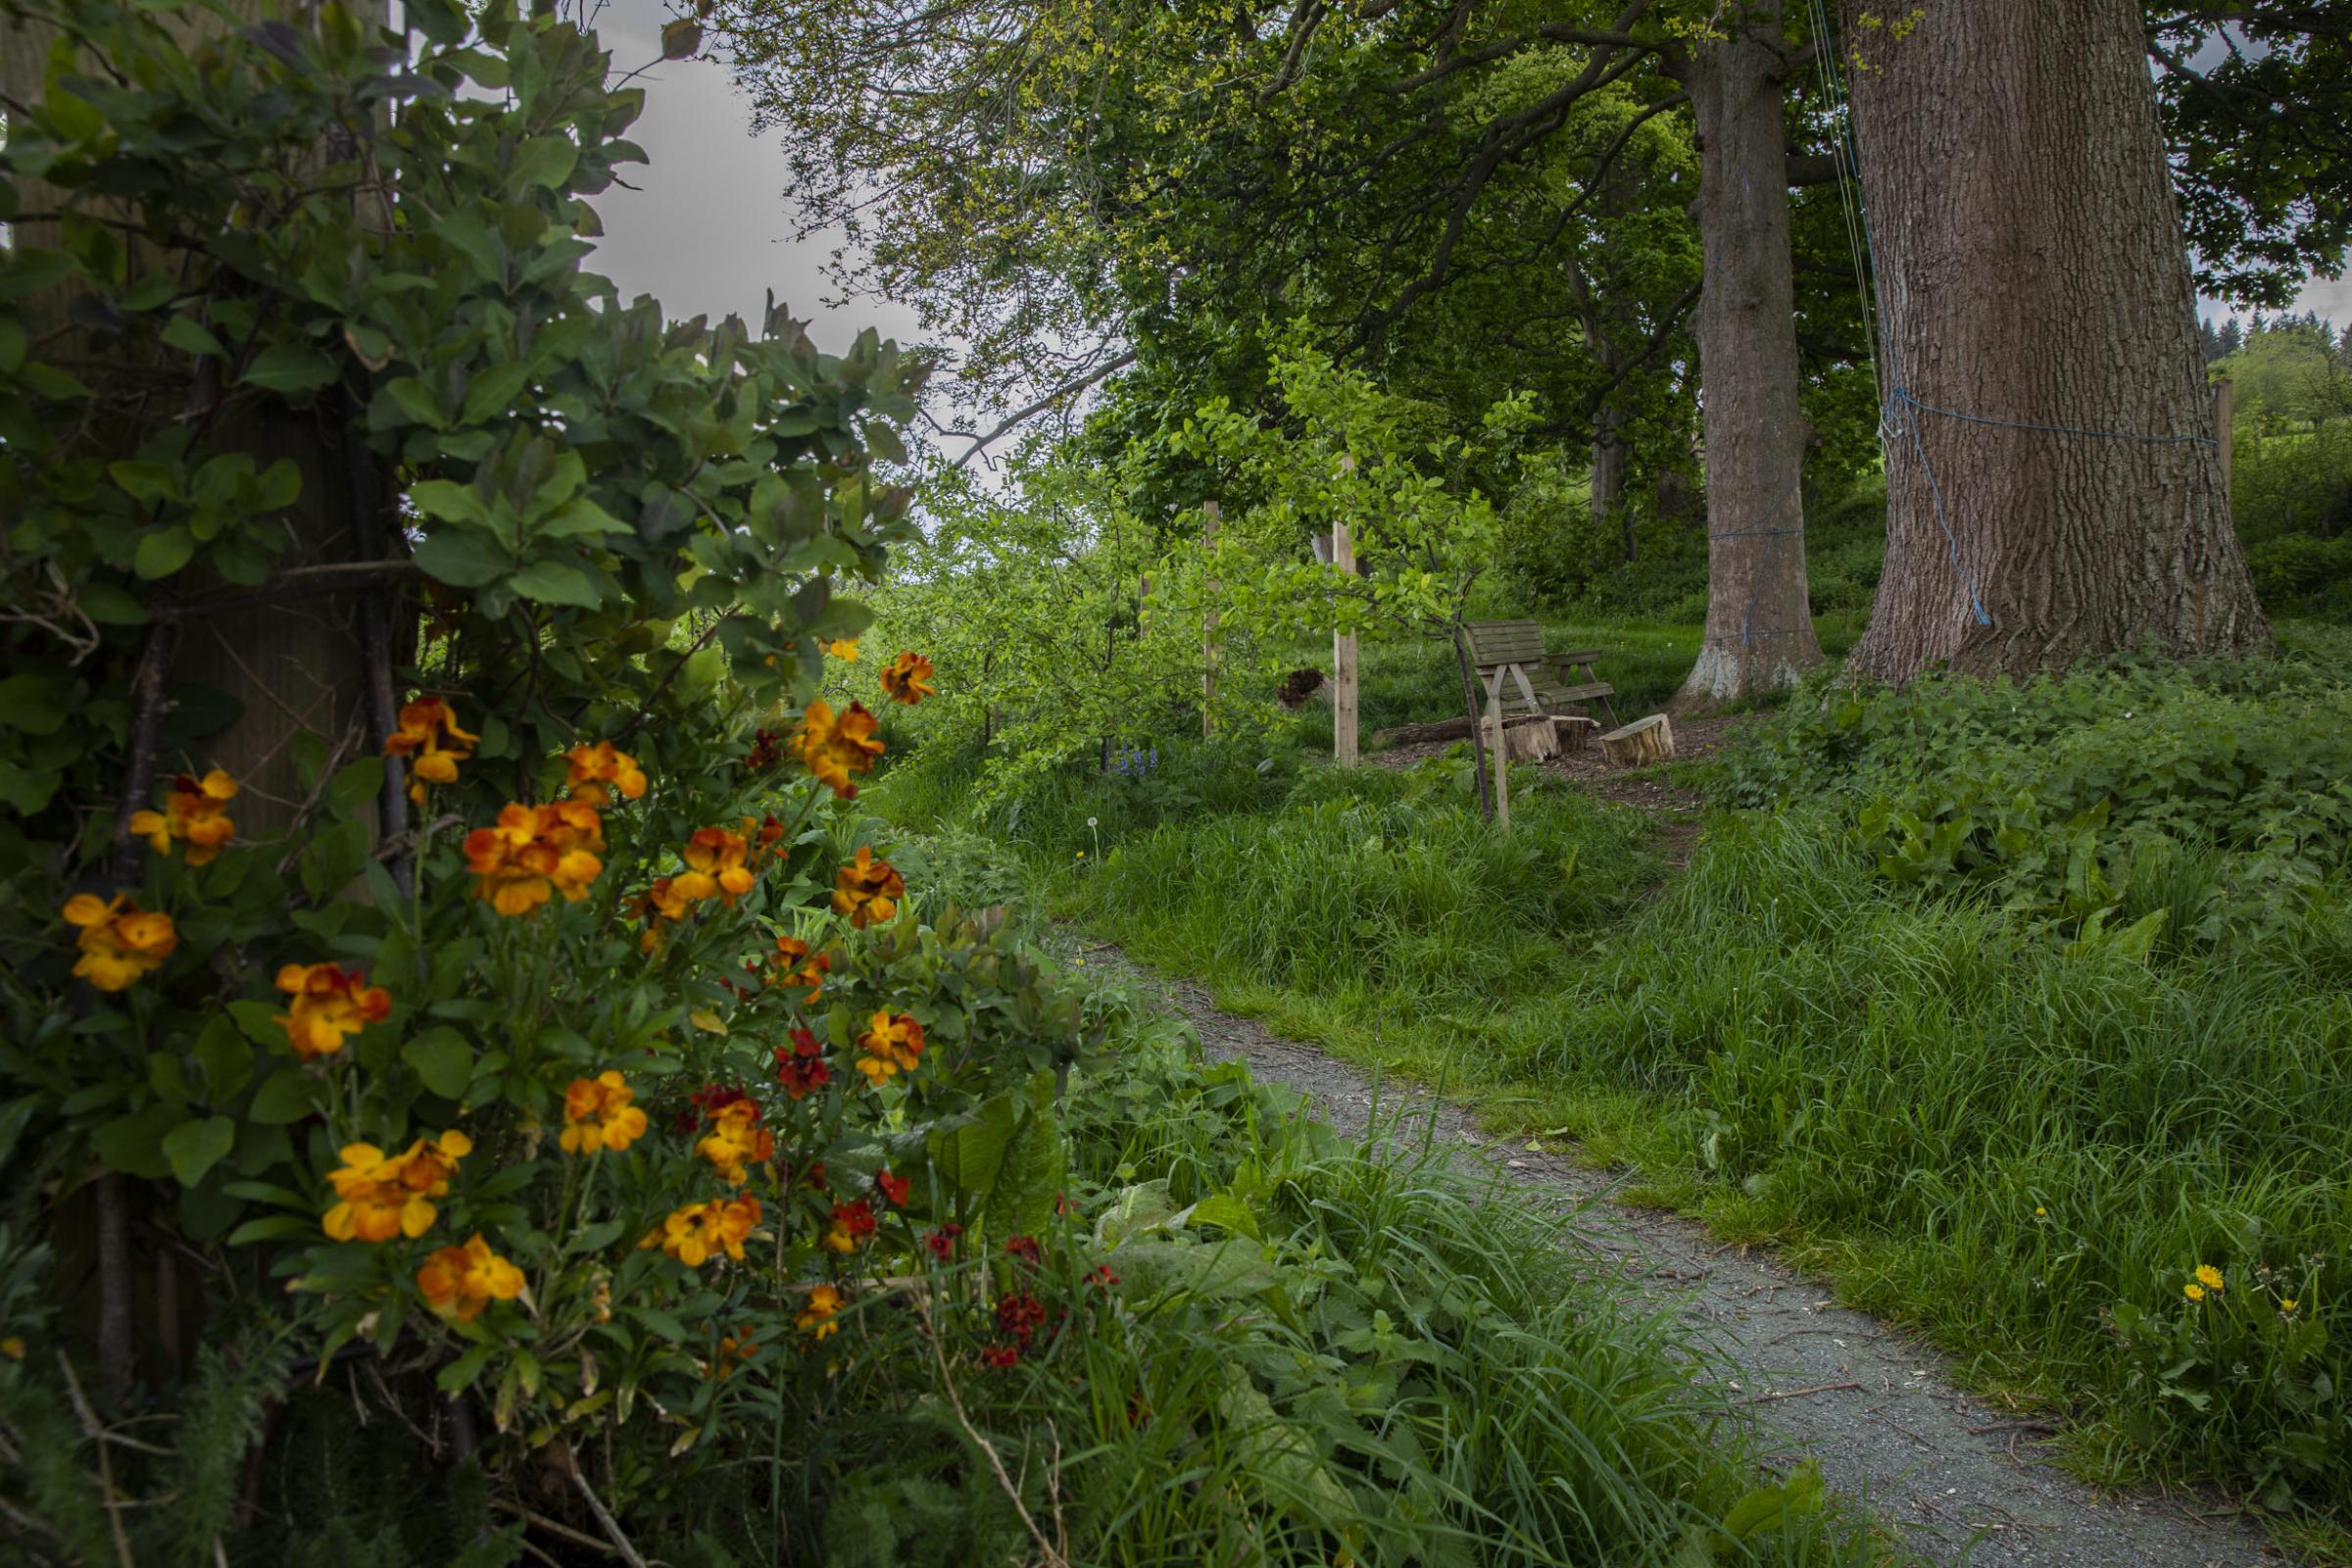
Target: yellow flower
844	649
736	1141
2210	1277
2286	1307
429	738
717	856
595	767
832	749
535	851
195	814
867	890
118	941
797	966
907	679
459	1281
2194	1291
598	1115
824	1300
330	1003
889	1047
13	1347
698	1231
380	1197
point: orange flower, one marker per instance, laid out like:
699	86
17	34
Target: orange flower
816	1318
598	1115
798	966
118	941
330	1003
889	1047
907	679
852	1224
736	1141
429	737
535	851
833	749
195	813
716	858
734	1349
380	1197
867	890
699	1232
459	1281
595	767
844	649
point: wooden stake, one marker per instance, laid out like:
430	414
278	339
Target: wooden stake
2224	425
1344	732
1208	633
1503	765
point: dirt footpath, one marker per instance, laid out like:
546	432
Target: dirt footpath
1959	1479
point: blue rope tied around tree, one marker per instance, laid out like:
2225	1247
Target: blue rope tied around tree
1756	584
1897	419
1902	394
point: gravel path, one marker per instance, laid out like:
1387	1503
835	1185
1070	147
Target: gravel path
1958	1478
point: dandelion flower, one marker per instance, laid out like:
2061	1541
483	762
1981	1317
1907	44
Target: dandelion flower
2210	1277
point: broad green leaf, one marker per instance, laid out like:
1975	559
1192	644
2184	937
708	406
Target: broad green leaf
191	336
442	1058
226	1059
552	582
134	1144
548	161
290	368
288	1095
462	558
162	552
196	1147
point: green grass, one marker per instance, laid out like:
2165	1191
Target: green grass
1938	1093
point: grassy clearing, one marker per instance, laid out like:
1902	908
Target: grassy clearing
2008	1009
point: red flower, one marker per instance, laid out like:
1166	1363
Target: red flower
801	1070
1102	1277
766	753
894	1188
942	1240
1021	1315
1001	1356
853	1223
1023	1247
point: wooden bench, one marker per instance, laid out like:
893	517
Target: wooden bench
1520	678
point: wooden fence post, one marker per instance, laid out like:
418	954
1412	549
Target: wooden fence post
1503	763
2224	427
1343	721
1209	631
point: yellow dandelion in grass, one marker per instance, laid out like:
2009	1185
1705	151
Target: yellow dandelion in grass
2210	1277
2194	1291
2288	1305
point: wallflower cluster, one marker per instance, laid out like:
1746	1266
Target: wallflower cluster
194	814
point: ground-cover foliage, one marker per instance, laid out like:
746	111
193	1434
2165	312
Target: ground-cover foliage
2020	1010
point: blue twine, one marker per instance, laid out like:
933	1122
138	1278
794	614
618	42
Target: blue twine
1907	424
1902	394
1756	584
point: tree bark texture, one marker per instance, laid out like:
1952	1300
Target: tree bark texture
1759	630
2031	272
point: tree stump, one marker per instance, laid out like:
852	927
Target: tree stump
1638	745
1575	733
1531	739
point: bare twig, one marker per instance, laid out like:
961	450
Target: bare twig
106	1466
562	1532
596	1506
297	582
988	1450
1796	1393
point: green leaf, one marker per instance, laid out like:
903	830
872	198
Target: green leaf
226	1059
32	704
969	1157
462	1372
290	368
596	1237
287	1097
549	160
196	1147
145	481
270	1228
462	558
162	552
681	38
356	785
661	1323
494	390
442	1059
110	606
191	336
552	582
134	1144
1226	1210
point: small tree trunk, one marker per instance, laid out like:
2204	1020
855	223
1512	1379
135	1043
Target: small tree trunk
1609	515
2031	270
1759	632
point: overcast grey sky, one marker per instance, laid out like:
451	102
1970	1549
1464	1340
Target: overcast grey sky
706	231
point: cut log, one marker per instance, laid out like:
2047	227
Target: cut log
1531	739
1638	745
1444	729
1575	734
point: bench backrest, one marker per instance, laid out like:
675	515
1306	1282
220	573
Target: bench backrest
1505	642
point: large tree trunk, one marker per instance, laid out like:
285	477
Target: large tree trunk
1759	632
2031	272
1609	515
